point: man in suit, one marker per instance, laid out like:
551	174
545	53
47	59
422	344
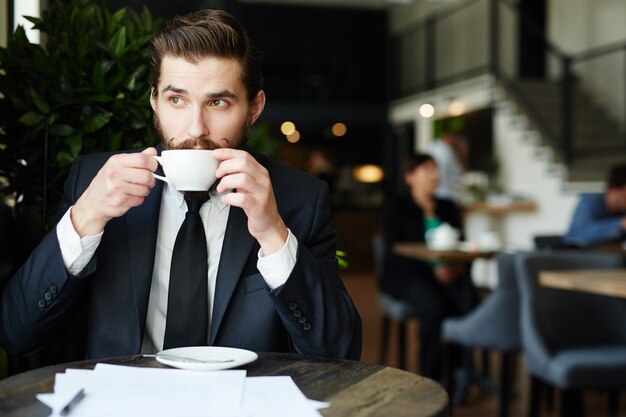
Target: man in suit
272	280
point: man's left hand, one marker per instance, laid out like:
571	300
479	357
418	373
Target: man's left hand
240	171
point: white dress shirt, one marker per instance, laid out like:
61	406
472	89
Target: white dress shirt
78	252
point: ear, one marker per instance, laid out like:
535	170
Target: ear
153	99
256	107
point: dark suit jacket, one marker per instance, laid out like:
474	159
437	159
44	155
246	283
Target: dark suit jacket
312	312
404	222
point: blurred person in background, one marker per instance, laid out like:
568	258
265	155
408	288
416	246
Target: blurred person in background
437	290
601	217
450	152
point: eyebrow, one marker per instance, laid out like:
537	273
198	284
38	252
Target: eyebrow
218	94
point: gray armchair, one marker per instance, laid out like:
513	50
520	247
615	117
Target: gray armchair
571	340
493	325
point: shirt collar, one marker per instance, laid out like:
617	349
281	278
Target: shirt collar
179	198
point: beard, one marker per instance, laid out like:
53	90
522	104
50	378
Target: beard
238	142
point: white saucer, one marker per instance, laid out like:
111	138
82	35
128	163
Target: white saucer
206	353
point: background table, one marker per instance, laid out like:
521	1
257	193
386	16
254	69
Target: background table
420	251
611	282
353	388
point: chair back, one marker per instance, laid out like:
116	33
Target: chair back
494	323
554	319
505	263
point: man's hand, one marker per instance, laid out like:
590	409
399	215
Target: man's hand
123	182
239	170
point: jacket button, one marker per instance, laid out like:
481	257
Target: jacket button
297	313
306	326
53	289
47	296
302	320
41	303
292	306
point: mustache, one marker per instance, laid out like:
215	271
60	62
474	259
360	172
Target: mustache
196	143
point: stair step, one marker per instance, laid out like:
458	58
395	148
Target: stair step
597	141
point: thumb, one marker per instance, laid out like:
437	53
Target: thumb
152	163
150	151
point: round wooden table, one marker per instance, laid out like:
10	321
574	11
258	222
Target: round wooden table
353	388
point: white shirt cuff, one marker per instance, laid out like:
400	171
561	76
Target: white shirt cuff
277	267
76	251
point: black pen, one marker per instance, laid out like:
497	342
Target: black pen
73	402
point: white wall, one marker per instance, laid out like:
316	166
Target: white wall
525	171
3	22
27	8
581	25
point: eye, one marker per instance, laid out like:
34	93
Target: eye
176	100
218	102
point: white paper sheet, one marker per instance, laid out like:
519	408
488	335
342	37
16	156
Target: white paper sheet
275	396
112	390
121	391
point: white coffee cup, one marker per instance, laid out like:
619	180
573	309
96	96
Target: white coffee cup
188	169
489	241
444	237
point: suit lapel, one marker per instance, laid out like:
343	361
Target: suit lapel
235	252
142	225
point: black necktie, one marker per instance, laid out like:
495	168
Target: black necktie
187	300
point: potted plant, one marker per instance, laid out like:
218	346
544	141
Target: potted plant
84	90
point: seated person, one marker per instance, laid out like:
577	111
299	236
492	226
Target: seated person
601	217
437	290
266	279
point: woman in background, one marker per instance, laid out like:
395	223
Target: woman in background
436	290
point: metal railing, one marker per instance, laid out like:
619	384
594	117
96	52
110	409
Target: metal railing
479	37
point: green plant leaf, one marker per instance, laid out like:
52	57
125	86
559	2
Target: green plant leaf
75	143
39	101
97	77
341	261
118	41
114	141
35	20
32	118
63	159
99	98
93	123
119	15
61	130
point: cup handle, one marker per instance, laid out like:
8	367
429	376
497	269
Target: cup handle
160	177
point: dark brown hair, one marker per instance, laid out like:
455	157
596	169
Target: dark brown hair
207	33
617	176
416	160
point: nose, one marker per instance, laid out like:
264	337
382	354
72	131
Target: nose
199	125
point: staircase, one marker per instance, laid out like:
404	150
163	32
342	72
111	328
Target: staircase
597	142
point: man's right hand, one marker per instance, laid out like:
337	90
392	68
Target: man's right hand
123	182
